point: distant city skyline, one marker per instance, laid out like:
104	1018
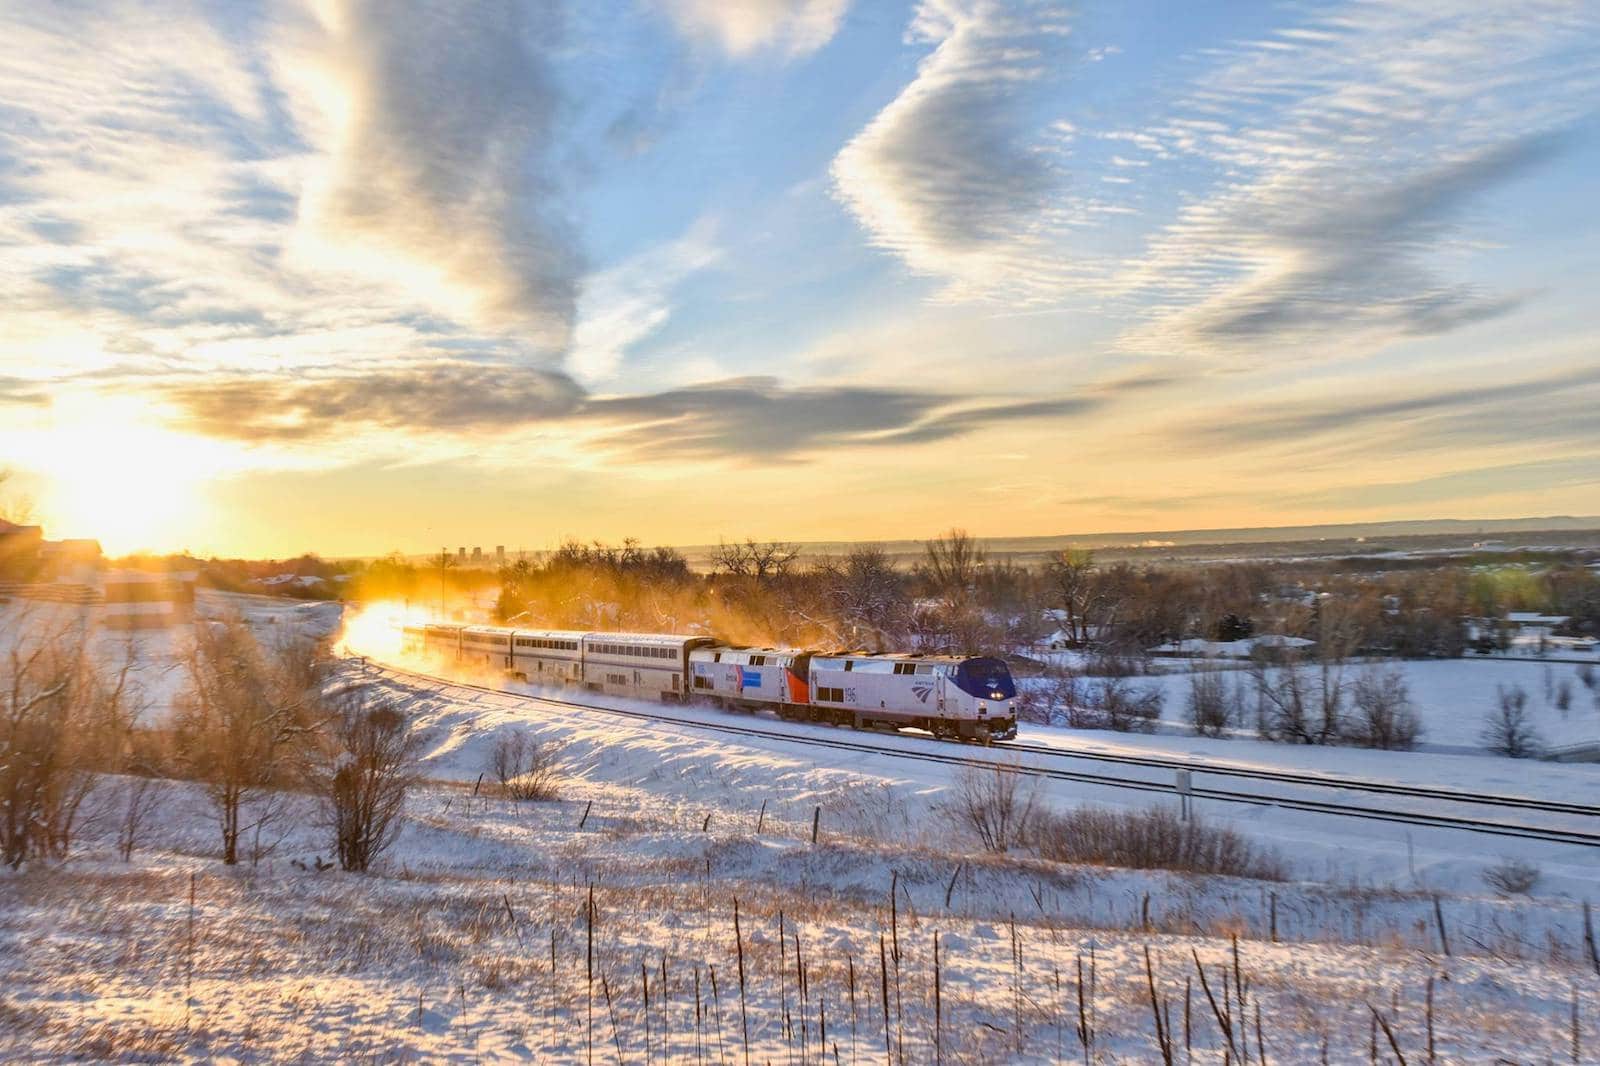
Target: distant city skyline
355	277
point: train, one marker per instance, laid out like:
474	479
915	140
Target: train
970	698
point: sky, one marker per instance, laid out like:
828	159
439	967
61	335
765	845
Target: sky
356	277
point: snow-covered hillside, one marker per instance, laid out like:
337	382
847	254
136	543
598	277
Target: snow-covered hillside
472	941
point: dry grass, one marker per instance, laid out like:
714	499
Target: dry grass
1152	839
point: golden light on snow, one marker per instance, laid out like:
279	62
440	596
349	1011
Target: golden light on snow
374	630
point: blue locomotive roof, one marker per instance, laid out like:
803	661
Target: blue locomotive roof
985	678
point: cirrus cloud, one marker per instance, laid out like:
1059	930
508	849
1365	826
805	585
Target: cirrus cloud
740	27
442	132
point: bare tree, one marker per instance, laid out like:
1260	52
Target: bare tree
996	803
365	765
14	507
951	563
1072	582
761	562
239	722
1382	713
866	593
1299	704
1508	729
56	730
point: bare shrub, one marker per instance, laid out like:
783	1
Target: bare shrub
996	803
1563	699
137	805
1031	705
1299	704
1382	713
1513	877
1127	709
1211	703
1057	696
524	768
1508	729
366	765
1152	839
1115	662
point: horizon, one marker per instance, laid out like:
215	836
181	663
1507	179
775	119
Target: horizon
353	279
1096	540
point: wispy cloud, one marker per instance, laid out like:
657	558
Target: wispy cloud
22	391
951	176
443	148
1474	485
1330	171
1349	153
742	27
625	304
1528	409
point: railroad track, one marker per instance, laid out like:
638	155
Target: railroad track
850	743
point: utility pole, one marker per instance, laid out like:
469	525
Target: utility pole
445	562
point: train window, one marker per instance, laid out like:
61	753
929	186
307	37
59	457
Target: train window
702	682
849	663
924	669
758	660
716	656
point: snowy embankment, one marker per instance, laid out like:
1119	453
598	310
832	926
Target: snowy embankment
472	942
446	953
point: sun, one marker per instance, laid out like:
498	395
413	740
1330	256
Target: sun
112	474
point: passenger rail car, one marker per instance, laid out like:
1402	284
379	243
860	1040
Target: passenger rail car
966	698
653	665
548	656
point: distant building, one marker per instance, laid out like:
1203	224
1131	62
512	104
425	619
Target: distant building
70	560
63	571
142	599
19	548
461	555
500	555
477	555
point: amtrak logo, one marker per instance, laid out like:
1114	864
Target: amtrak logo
922	691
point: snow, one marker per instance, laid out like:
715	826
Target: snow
1230	649
1452	697
443	954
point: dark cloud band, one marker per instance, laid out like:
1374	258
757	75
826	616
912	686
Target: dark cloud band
755	418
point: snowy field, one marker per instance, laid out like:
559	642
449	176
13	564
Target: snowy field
1453	697
445	954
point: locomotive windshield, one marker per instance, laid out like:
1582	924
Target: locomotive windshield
985	678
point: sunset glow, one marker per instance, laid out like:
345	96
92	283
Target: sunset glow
682	270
